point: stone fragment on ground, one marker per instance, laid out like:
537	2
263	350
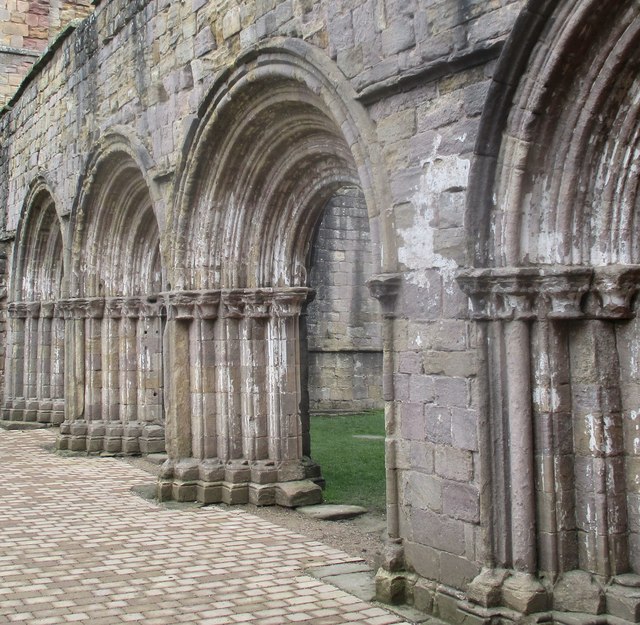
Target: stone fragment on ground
332	512
298	493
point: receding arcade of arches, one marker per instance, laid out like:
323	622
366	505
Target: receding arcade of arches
114	316
553	229
34	386
268	159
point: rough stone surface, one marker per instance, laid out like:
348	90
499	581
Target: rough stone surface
298	494
331	512
176	178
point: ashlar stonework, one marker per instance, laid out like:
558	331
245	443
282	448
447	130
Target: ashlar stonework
179	179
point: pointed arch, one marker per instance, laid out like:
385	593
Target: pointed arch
34	382
38	259
116	223
279	130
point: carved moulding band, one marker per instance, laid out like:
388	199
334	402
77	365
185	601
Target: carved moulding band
551	292
236	303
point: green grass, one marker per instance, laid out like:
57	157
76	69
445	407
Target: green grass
352	467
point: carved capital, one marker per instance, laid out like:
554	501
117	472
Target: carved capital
82	308
65	308
180	305
208	304
257	304
113	308
18	310
93	308
233	305
385	288
566	292
150	308
614	287
47	310
33	309
289	302
526	293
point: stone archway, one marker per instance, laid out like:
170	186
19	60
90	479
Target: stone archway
114	314
34	383
267	156
553	232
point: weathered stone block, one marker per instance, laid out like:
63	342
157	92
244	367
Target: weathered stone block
524	593
235	493
390	587
486	588
183	491
209	492
262	494
298	493
578	591
624	602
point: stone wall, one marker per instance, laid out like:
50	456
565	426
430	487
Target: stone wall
343	321
494	144
26	28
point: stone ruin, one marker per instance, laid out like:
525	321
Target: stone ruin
178	179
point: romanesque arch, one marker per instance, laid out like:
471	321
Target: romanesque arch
34	384
278	136
552	223
114	312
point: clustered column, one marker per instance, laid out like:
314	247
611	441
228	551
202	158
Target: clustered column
241	438
558	504
34	364
114	376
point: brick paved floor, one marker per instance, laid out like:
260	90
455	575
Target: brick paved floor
76	546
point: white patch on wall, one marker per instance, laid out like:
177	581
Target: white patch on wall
417	253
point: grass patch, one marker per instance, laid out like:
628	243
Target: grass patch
352	467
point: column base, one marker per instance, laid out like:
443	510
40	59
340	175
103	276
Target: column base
499	596
623	597
236	482
113	438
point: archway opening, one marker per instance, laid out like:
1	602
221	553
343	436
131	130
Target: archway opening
343	373
270	155
34	384
116	317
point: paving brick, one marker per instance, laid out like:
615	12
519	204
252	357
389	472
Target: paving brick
93	553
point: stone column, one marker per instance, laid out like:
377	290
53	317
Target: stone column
15	385
129	314
523	518
45	362
385	288
601	512
253	357
31	342
57	365
114	428
150	377
202	375
130	409
555	488
73	430
229	385
285	428
94	312
207	307
177	375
